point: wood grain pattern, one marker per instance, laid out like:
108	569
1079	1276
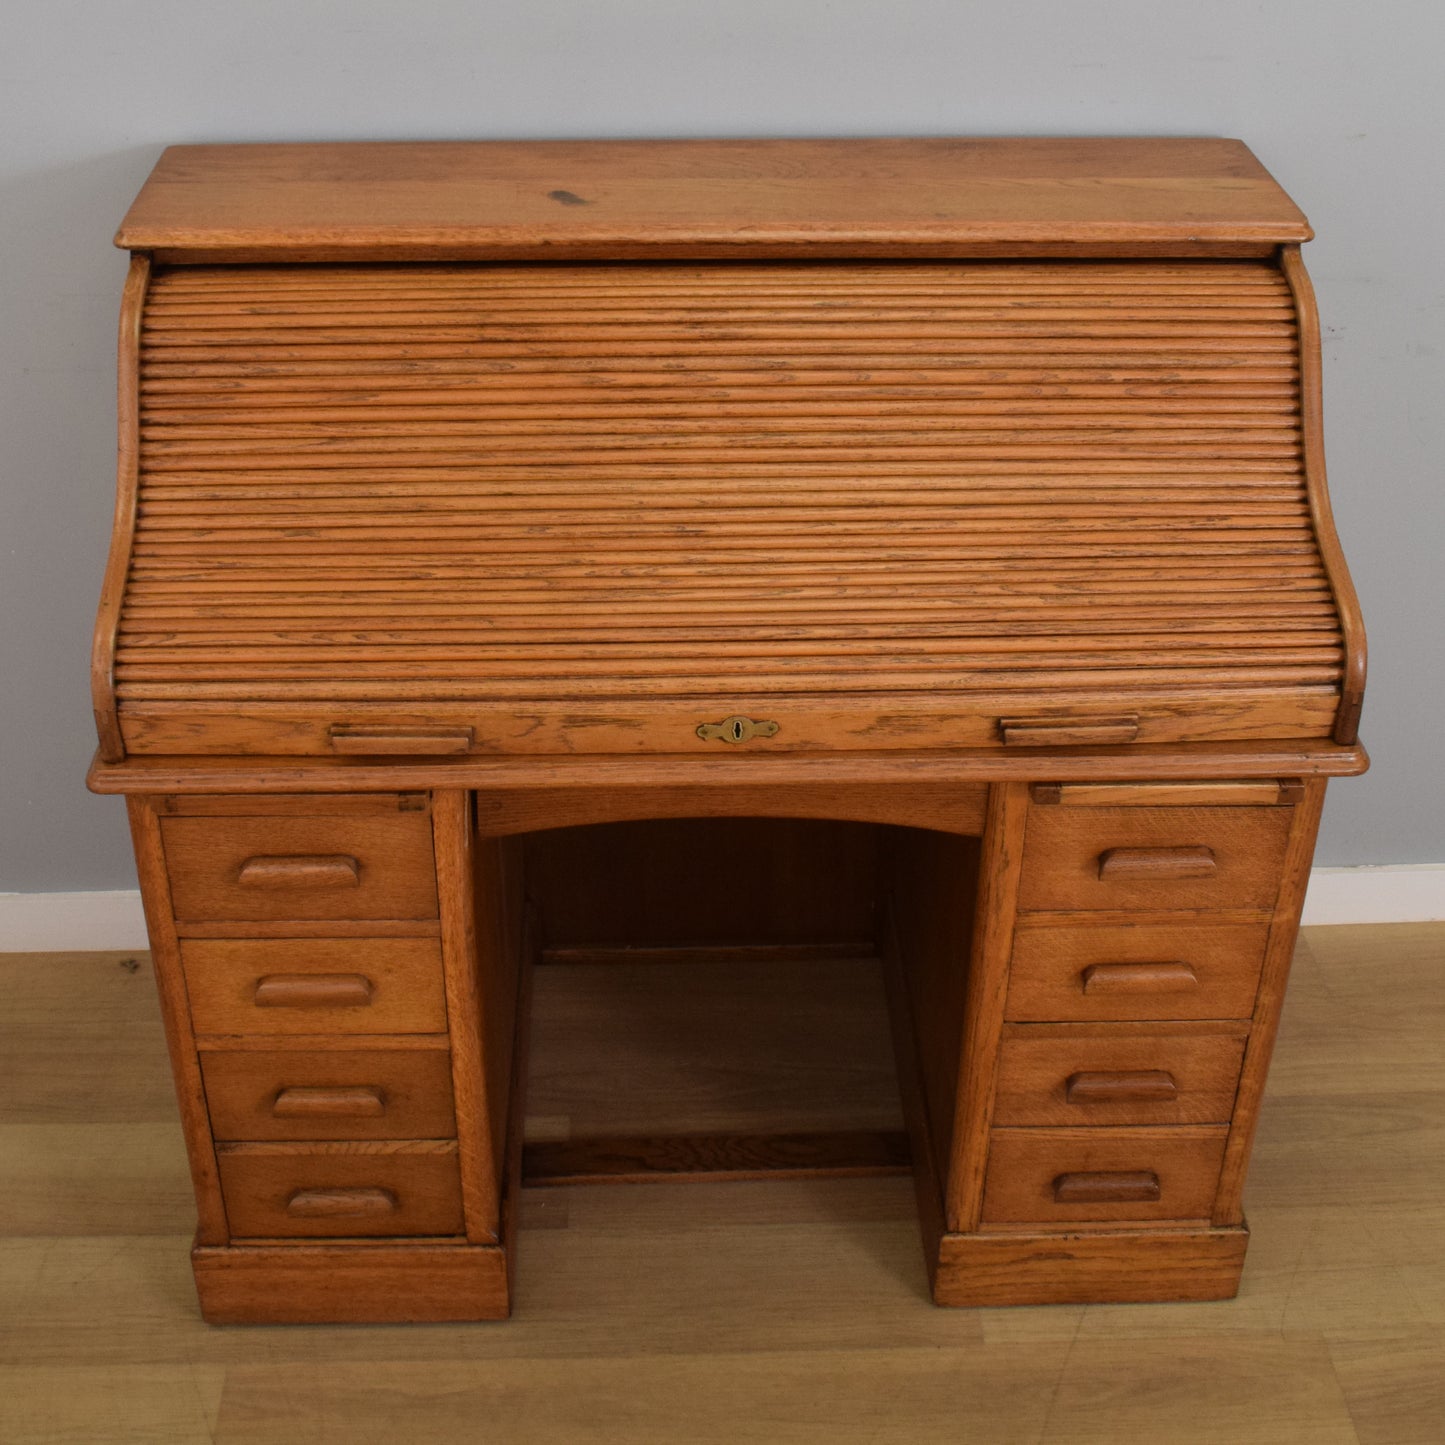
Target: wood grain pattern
340	1094
1102	1078
281	805
260	1181
1293	720
1203	970
395	1283
1092	479
327	870
949	808
127	485
798	198
1113	1267
1065	862
312	991
1114	1186
1352	622
467	1014
341	1204
403	978
212	1227
245	776
1024	1164
708	1157
1142	865
1263	792
1001	865
1269	1003
394	875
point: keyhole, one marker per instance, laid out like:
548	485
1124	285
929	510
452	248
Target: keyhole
737	732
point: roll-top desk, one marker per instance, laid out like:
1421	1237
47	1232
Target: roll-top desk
966	492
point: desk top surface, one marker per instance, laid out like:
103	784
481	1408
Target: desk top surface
710	198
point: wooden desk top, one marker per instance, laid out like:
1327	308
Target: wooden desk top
711	198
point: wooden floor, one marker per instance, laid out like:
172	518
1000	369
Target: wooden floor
773	1312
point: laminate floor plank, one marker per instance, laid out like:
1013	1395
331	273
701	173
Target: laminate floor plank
80	1035
787	1310
1394	1386
888	1396
86	1404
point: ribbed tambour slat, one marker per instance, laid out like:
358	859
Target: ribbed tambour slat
538	484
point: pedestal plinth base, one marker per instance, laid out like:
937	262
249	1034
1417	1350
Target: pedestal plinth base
1113	1267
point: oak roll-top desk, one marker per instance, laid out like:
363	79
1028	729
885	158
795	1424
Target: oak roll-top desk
968	492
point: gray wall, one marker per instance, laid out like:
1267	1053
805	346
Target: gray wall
1340	99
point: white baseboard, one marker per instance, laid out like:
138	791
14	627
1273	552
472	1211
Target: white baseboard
71	922
75	922
1394	893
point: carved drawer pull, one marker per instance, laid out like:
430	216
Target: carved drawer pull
1130	978
1143	1086
310	870
340	1203
1134	1186
313	990
1146	865
1063	732
364	1101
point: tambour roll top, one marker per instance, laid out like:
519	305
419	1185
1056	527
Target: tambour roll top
1061	486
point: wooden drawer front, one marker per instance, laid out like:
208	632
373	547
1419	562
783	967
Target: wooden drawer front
1172	971
1153	857
1055	1176
305	867
1100	1079
320	1191
361	1094
315	985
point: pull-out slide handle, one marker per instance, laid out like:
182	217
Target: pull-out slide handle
360	738
1135	1086
341	1203
301	870
1133	978
364	1101
312	990
1122	1186
1148	865
1063	732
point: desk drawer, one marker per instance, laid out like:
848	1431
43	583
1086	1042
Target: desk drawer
341	1190
1173	971
315	985
1113	858
1099	1078
303	867
329	1094
1060	1176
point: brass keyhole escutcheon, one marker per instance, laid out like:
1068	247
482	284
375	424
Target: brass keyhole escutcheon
735	730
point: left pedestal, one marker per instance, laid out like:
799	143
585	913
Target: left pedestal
341	1029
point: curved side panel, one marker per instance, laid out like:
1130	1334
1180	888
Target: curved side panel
102	652
1352	693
